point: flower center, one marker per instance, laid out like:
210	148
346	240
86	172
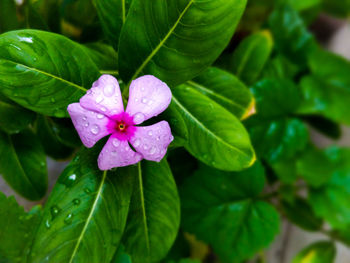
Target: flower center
121	126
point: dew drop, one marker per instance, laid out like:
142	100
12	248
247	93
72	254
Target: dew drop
95	129
76	201
153	150
108	90
145	147
104	109
89	92
53	100
47	223
171	138
136	100
150	102
116	142
84	118
99	99
127	148
144	100
150	133
143	88
139	118
86	124
158	138
87	190
68	219
55	210
100	116
137	143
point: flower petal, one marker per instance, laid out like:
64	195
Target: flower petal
91	126
152	141
148	97
104	96
117	153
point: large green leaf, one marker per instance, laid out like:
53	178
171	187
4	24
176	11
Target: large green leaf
23	164
279	139
225	212
319	252
331	201
175	40
340	8
85	215
8	16
225	89
250	56
43	71
215	136
17	229
13	117
112	15
154	216
104	56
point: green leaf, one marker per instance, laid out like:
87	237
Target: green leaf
175	40
17	229
224	211
331	201
315	167
13	117
43	71
48	135
290	34
112	15
104	56
280	67
154	217
34	19
225	89
285	170
340	8
300	213
250	57
215	136
319	252
121	256
85	214
279	139
8	16
301	5
23	164
324	125
276	97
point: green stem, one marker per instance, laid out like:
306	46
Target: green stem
110	72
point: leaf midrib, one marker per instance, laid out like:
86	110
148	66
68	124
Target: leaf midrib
202	126
162	42
47	74
93	208
201	87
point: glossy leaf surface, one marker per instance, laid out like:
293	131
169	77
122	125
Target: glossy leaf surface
175	40
43	71
319	252
154	216
215	136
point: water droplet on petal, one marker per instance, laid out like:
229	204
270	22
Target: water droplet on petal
150	102
127	148
143	88
104	109
100	116
171	138
158	138
150	133
84	118
145	147
95	129
108	90
99	99
152	150
137	143
116	142
144	100
139	118
86	124
136	100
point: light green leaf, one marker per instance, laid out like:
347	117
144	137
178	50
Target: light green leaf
319	252
17	229
154	217
215	136
225	89
43	71
224	211
85	215
175	40
23	164
250	57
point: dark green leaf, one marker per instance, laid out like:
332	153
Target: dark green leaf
43	71
23	164
331	201
121	256
280	67
103	56
112	15
300	213
224	211
8	16
319	252
276	97
340	8
175	40
285	170
279	139
33	18
85	215
17	229
324	125
250	56
13	117
215	136
290	34
225	89
154	216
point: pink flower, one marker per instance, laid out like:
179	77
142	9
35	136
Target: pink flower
101	112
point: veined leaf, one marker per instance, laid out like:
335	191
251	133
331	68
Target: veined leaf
215	136
154	216
43	71
112	15
225	89
224	211
17	229
175	40
23	164
319	252
85	215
